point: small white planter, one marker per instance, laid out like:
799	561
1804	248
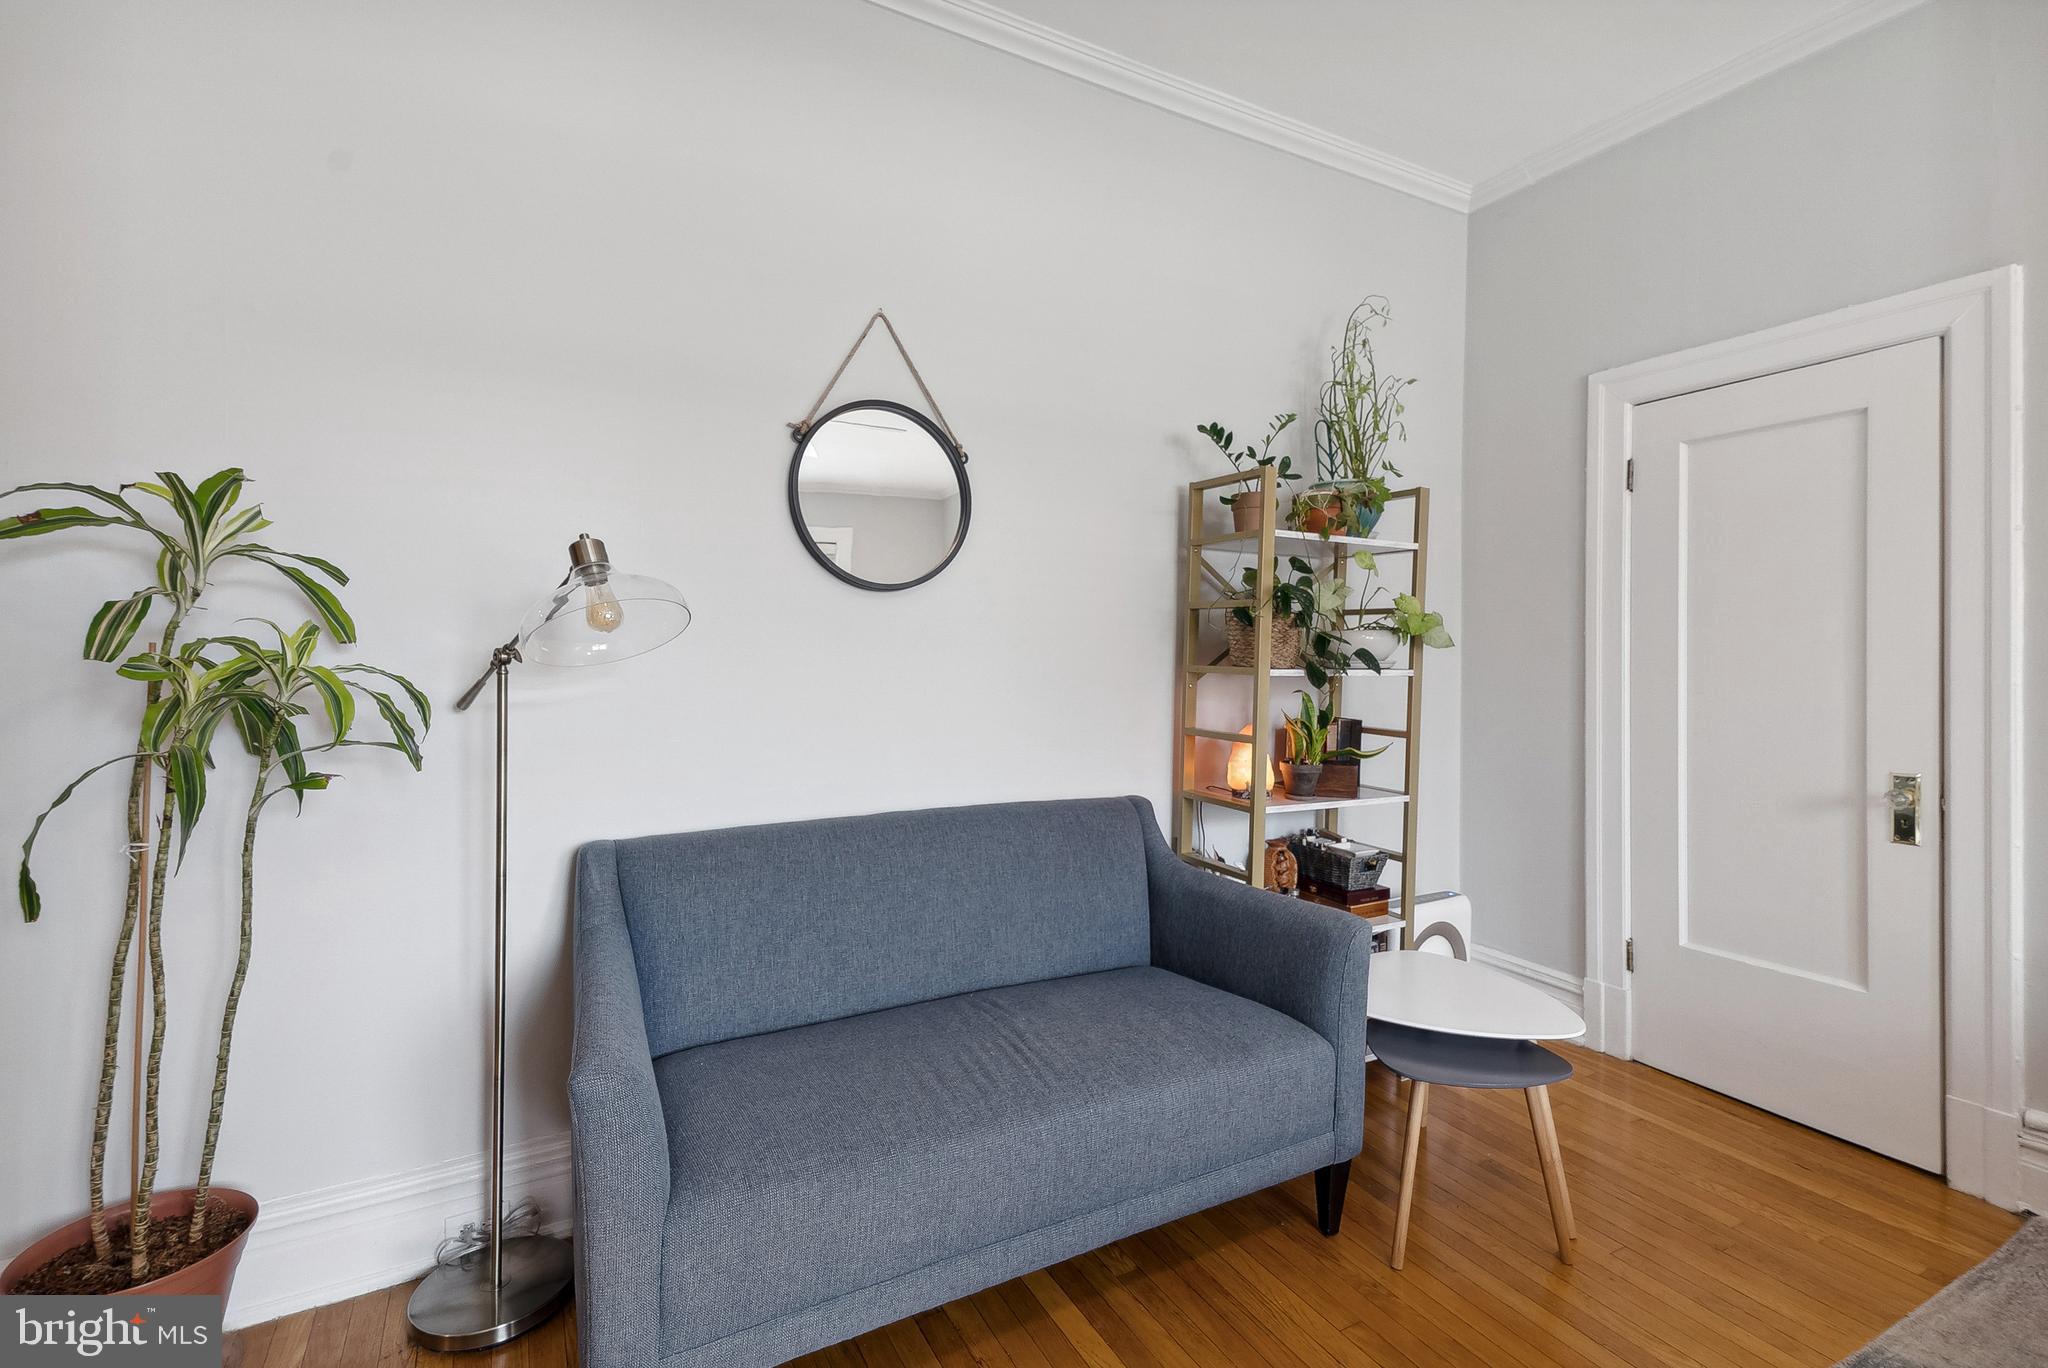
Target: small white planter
1384	644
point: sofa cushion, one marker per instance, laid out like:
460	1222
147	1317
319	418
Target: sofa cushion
755	929
815	1161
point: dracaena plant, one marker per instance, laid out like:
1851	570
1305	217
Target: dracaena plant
193	694
196	529
268	694
273	691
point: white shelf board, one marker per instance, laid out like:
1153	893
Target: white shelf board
1287	541
1368	796
1360	673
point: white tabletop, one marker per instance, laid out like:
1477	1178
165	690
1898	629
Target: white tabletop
1439	993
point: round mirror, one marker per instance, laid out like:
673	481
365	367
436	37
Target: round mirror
879	495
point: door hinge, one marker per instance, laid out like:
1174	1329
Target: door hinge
1631	474
1629	953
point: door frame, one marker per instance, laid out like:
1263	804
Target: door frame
1977	319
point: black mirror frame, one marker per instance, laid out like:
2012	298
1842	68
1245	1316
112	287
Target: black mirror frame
953	455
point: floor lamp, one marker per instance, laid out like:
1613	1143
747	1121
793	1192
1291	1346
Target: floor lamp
508	1286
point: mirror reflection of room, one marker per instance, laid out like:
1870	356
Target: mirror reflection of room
879	495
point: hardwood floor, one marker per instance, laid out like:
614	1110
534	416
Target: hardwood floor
1710	1235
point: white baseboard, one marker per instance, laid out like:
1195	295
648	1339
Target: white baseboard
1564	987
338	1242
1986	1152
1606	1013
2033	1195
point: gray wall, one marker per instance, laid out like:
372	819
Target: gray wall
1915	153
458	281
895	539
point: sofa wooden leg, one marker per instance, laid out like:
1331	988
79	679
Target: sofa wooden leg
1330	1185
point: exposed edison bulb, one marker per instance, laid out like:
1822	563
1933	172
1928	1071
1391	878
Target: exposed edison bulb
601	608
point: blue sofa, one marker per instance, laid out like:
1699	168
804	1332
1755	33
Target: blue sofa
830	1074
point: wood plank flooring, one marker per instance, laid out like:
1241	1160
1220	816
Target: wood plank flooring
1710	1235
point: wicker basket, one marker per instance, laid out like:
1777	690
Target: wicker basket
1242	640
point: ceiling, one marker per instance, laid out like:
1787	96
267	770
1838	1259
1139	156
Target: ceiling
1478	96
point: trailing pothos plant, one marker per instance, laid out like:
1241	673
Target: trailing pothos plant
1406	618
189	691
1315	605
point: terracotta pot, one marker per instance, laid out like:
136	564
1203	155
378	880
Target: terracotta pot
1319	511
212	1276
1244	513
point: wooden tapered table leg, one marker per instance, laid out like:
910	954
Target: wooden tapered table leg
1418	1107
1435	1020
1425	1103
1545	1126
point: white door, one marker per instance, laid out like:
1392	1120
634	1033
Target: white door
1784	664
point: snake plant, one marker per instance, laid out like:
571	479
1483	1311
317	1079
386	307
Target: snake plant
1308	736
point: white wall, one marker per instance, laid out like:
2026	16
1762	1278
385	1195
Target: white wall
1907	156
457	281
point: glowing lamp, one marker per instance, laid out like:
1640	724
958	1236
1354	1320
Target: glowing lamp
1237	775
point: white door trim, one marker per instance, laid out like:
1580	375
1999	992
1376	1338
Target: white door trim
1978	320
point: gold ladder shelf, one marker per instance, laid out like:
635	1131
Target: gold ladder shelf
1209	591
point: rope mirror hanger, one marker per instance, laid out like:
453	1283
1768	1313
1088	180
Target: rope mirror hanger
801	428
878	490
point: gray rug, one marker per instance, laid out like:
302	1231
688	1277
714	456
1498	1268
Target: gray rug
1994	1316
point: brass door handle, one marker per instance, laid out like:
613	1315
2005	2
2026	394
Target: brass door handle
1904	797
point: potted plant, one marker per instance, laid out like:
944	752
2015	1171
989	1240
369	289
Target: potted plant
1320	509
186	1240
1360	416
1243	503
1293	606
1308	747
1400	622
1308	631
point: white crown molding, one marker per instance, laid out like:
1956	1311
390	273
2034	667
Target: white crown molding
996	28
1824	32
1084	61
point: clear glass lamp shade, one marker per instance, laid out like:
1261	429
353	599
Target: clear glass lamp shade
598	616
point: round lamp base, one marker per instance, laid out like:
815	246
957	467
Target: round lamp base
457	1308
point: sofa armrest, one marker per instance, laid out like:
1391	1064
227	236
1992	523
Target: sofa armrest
618	1134
1295	957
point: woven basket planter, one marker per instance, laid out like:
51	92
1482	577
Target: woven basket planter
1242	642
